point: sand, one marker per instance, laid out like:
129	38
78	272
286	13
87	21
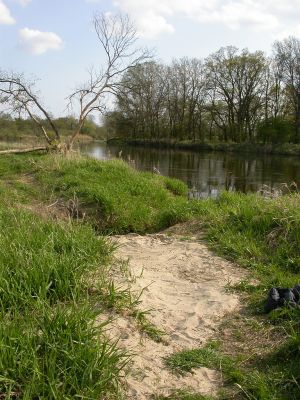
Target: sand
184	286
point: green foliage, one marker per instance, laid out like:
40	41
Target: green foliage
263	234
55	353
13	165
176	186
147	326
208	356
19	128
49	264
257	232
49	346
12	129
117	198
275	130
253	385
183	395
46	271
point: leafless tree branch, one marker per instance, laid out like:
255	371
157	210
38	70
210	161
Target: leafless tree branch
117	36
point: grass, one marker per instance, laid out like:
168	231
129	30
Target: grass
49	347
110	195
263	235
46	268
183	395
115	197
43	261
251	384
260	234
54	353
209	357
147	327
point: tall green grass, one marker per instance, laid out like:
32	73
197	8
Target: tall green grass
49	346
114	196
14	165
44	261
260	233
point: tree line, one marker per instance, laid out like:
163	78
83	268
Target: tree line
231	96
17	127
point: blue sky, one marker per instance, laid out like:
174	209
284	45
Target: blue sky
54	41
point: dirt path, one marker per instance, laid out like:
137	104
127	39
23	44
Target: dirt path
183	285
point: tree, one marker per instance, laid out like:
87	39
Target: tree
140	100
117	36
186	95
19	95
287	58
236	81
157	101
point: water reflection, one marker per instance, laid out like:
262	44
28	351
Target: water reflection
206	174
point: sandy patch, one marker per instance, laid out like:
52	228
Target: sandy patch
183	284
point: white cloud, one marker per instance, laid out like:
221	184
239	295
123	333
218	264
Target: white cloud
37	42
151	24
236	14
23	2
153	17
5	16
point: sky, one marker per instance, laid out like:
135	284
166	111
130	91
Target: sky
54	41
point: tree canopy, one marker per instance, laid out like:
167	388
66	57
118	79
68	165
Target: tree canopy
232	95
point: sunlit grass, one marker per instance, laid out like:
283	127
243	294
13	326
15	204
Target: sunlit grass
46	266
49	347
114	196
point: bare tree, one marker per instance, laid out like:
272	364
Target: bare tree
19	95
117	36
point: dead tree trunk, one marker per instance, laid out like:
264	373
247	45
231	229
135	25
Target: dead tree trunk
27	150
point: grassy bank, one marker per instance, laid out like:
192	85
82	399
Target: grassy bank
261	355
47	312
111	195
288	149
262	234
54	274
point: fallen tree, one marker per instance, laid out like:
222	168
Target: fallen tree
117	36
27	150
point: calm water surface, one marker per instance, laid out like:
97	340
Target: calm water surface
207	173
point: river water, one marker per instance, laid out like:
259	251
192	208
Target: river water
207	173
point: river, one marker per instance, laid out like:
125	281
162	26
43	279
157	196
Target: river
207	173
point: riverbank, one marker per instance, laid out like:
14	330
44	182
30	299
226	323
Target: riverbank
288	149
23	141
54	212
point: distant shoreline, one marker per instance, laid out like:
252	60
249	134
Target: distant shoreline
287	149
